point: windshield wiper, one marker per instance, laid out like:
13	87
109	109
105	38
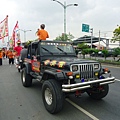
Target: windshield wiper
61	50
47	50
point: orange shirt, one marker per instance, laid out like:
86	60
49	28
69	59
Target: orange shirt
42	34
1	54
11	55
7	52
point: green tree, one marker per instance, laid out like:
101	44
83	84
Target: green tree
116	52
66	37
90	51
96	52
116	35
83	47
105	53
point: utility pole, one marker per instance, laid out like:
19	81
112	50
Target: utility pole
91	36
99	39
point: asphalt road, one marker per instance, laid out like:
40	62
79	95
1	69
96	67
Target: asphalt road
20	103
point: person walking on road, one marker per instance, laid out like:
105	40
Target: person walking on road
23	53
11	56
18	49
41	33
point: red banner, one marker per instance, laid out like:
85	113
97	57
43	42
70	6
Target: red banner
4	28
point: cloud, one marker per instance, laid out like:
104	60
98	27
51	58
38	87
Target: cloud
101	15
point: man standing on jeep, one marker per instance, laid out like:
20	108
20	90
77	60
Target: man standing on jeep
41	33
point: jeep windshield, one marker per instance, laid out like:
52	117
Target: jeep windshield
56	47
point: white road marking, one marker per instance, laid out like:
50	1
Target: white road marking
81	109
117	80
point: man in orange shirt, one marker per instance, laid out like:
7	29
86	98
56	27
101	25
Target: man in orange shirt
11	56
41	33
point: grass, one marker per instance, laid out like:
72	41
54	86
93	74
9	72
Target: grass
109	62
112	62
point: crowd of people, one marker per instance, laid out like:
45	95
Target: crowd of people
18	52
11	54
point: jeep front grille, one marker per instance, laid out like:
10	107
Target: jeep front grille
85	71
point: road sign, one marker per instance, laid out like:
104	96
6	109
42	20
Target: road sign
85	28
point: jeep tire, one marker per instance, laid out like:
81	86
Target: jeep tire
100	94
26	78
52	96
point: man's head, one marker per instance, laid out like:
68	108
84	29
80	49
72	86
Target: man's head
42	26
25	46
18	42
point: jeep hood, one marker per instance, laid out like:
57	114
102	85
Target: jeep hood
65	62
75	60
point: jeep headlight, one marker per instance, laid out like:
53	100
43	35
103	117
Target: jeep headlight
96	66
75	68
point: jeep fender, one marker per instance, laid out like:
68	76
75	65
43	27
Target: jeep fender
28	67
56	75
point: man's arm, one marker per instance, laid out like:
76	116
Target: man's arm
47	35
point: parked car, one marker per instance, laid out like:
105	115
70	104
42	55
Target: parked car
110	53
100	54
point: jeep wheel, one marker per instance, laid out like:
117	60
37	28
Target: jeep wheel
26	78
52	96
99	93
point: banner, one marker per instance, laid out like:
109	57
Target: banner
4	28
15	35
11	42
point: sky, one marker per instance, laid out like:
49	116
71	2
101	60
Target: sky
101	15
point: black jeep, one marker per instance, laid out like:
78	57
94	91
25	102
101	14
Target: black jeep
61	73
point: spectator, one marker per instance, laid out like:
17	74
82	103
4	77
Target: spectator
11	56
18	48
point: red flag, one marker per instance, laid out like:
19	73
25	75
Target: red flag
4	28
15	35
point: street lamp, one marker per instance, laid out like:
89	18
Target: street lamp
25	33
65	6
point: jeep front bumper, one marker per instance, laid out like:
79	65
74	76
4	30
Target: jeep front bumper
86	85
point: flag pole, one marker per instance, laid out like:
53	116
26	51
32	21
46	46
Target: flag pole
8	32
